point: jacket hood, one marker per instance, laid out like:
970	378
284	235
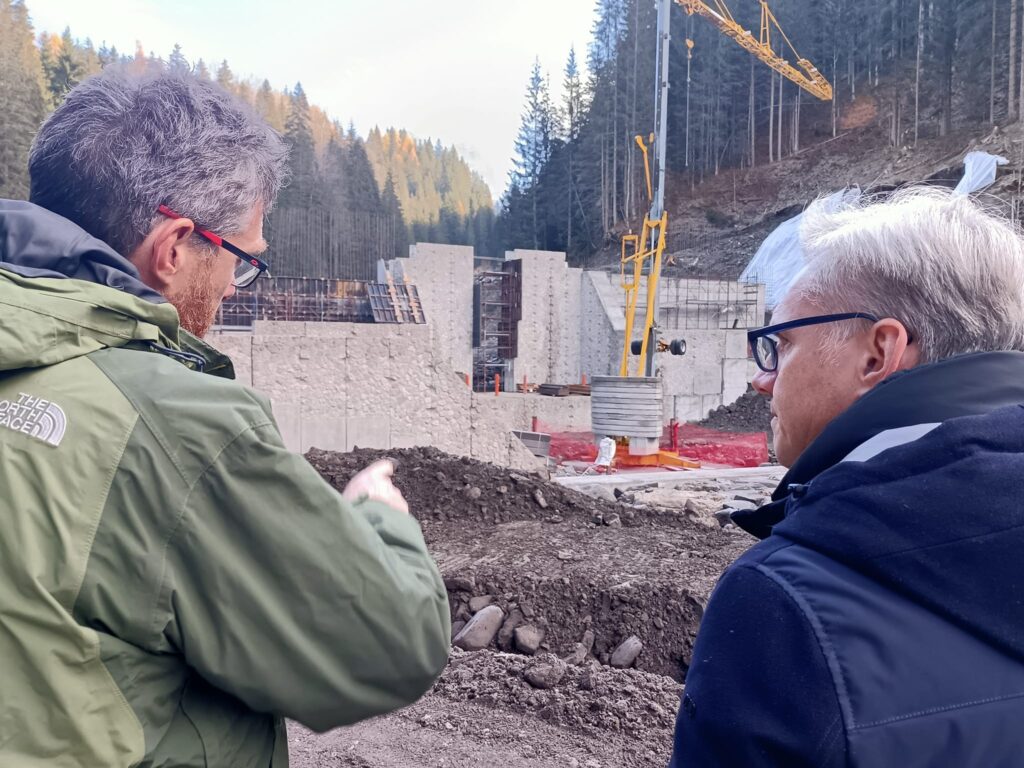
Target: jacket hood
934	510
63	294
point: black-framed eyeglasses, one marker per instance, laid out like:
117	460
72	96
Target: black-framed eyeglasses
764	344
249	267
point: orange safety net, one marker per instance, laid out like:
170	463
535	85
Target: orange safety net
709	446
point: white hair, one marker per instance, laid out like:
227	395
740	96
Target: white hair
949	270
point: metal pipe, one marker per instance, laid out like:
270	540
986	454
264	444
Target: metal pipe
661	129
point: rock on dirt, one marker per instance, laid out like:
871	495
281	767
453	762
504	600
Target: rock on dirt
528	639
477	604
481	629
546	673
626	653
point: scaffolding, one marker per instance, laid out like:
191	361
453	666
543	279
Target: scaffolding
497	310
322	300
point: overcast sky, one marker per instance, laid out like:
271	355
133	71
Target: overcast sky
453	70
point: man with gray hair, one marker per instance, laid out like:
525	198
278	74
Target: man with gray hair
173	581
880	622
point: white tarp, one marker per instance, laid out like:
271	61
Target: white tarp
780	258
979	172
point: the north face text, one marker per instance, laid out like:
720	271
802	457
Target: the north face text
35	417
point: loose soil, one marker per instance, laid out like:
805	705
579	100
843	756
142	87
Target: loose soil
582	570
560	566
483	712
750	413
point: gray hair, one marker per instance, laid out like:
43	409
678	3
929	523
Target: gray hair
948	269
122	144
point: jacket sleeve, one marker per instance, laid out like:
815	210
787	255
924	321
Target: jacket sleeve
758	691
296	602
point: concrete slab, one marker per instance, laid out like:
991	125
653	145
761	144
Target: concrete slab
669	478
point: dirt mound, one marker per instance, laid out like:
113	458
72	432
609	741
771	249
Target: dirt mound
587	583
483	712
750	413
552	557
439	486
588	697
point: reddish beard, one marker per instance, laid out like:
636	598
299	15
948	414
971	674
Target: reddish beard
198	301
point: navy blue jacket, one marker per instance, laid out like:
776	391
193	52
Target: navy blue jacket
881	620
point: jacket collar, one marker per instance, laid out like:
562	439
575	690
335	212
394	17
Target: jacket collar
965	385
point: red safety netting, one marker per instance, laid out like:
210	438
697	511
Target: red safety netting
709	446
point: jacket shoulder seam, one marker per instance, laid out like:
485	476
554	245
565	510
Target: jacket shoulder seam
176	528
821	636
144	417
938	710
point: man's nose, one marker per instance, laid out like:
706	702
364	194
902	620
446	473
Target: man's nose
764	382
230	291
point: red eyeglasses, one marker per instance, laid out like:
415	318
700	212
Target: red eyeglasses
249	267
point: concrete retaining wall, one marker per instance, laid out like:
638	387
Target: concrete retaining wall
549	332
339	386
443	276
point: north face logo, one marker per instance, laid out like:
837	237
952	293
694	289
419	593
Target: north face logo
34	417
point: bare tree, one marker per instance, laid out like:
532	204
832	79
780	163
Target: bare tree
1011	90
917	69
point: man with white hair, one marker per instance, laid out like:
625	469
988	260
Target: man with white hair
173	581
880	622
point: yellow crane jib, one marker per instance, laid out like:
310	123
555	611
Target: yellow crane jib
810	79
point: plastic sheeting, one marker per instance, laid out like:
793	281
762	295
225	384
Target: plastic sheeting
979	172
780	258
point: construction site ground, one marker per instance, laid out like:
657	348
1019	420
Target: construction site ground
583	564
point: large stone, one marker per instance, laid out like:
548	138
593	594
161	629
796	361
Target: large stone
480	630
626	653
528	638
460	583
546	673
505	634
477	604
588	640
578	655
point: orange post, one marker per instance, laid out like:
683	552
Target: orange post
584	380
467	379
497	384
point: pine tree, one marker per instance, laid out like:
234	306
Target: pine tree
225	77
268	105
60	64
302	190
202	71
573	107
22	97
334	179
391	209
177	62
533	146
363	193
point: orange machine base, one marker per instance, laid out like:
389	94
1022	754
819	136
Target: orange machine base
623	458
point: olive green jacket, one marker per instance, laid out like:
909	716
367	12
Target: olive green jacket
173	581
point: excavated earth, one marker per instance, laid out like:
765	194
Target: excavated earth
582	574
